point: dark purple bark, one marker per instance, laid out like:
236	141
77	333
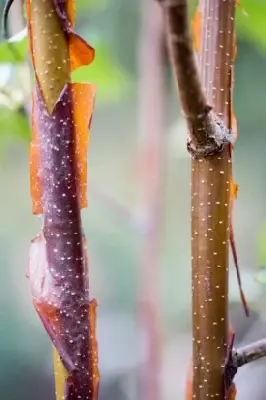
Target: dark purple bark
66	263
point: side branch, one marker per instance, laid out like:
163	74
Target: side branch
249	353
182	56
207	133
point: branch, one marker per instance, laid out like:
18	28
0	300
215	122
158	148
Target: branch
207	133
238	358
249	353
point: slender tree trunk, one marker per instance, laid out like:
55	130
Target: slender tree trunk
210	208
151	170
205	97
58	267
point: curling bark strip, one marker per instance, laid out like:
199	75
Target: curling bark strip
58	265
56	49
83	100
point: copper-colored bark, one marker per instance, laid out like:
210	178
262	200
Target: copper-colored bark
210	194
209	143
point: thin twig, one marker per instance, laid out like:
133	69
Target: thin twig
249	353
181	51
207	133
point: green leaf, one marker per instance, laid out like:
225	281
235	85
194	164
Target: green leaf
13	52
95	5
111	80
252	27
13	122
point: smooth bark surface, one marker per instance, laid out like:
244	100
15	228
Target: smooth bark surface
210	194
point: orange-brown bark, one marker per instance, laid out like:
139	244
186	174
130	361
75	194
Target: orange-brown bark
210	193
210	140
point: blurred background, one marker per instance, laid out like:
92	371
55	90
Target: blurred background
137	223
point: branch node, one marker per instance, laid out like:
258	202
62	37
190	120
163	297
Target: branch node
208	135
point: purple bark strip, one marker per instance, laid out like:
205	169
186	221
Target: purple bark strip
62	232
60	8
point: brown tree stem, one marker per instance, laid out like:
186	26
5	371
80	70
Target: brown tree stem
206	137
210	211
209	140
179	38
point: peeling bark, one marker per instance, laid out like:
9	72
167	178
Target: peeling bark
58	267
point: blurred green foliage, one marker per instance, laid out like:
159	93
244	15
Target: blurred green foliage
111	78
252	27
13	53
14	122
